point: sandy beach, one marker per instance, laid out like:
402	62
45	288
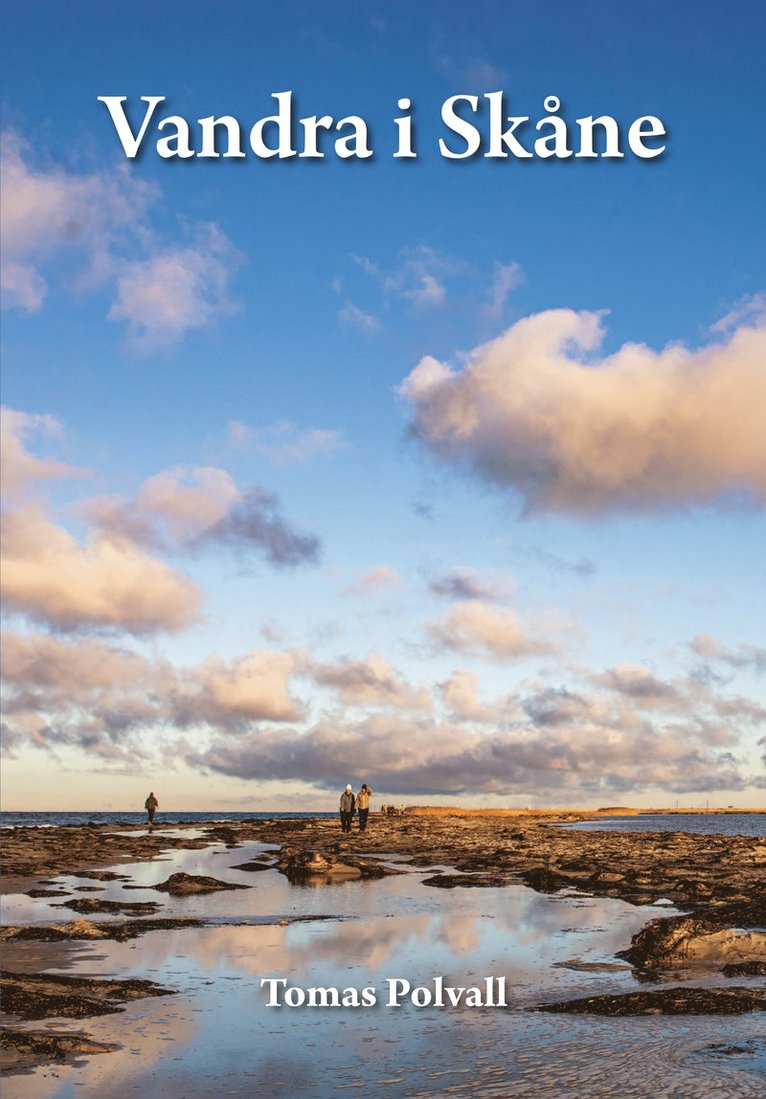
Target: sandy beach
81	887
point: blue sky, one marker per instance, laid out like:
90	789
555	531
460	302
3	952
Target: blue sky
447	476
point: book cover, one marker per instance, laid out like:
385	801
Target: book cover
384	405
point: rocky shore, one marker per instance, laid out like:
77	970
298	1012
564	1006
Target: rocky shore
717	881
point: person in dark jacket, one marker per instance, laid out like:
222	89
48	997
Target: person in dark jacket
151	805
347	806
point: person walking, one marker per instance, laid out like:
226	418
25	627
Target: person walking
363	805
151	805
347	805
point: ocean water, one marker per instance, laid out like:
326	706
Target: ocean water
731	824
727	824
41	820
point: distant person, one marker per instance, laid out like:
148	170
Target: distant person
363	805
151	805
347	805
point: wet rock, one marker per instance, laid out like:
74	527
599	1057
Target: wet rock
545	880
223	834
745	969
683	940
317	867
253	866
44	996
605	877
667	1001
47	893
577	866
23	1049
180	884
86	929
102	875
90	905
466	881
83	850
300	865
693	890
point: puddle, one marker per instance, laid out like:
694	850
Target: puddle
218	1036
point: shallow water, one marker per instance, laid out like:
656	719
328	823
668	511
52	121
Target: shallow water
218	1036
65	817
708	824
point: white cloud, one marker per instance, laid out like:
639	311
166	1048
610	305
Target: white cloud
49	211
743	656
114	577
462	582
100	225
177	289
636	430
88	693
189	500
351	316
284	444
460	694
255	686
376	579
474	627
408	756
750	309
189	507
419	277
49	576
370	682
633	732
19	468
505	277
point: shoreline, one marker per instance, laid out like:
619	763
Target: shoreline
414	810
579	814
717	881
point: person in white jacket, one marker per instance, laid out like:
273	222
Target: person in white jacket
363	805
347	806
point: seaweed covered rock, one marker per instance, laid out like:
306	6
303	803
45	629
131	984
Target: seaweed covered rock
317	867
667	1001
730	935
181	884
466	881
45	995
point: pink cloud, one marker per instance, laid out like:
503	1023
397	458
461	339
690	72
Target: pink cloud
536	411
51	577
19	468
473	626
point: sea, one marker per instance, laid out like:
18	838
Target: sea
706	824
728	824
57	819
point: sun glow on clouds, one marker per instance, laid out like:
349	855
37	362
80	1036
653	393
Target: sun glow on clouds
285	715
536	411
117	578
531	411
50	576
